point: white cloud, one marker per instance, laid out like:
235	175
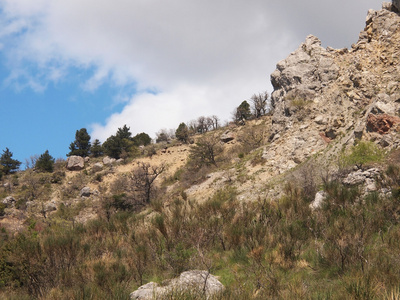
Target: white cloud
201	56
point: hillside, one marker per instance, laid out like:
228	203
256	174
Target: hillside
302	203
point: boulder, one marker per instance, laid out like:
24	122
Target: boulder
85	192
360	177
9	201
108	160
318	200
227	136
195	281
75	163
50	206
97	167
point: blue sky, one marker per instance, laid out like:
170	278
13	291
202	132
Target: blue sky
71	64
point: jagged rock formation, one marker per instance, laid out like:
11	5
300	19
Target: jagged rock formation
337	95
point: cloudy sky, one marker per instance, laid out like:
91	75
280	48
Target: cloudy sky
150	64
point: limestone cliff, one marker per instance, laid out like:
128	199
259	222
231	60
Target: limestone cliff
324	96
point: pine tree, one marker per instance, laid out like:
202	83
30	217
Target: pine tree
45	162
182	133
96	149
8	164
243	112
81	145
124	133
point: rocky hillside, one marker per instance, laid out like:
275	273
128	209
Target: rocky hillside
256	209
324	100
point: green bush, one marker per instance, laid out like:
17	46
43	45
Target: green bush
363	153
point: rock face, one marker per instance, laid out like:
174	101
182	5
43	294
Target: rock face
198	282
329	98
75	163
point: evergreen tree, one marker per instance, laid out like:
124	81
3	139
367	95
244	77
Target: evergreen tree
112	147
96	149
182	133
124	133
243	112
45	162
81	145
141	139
8	164
121	144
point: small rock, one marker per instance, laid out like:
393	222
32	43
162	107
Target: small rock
108	160
50	206
97	167
85	192
9	201
318	200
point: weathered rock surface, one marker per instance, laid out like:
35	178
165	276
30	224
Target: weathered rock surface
85	192
318	200
198	282
9	201
75	163
381	123
227	136
326	99
367	179
97	167
50	206
108	160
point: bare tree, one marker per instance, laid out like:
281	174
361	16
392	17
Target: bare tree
215	121
206	151
259	104
164	135
143	177
192	126
252	137
202	124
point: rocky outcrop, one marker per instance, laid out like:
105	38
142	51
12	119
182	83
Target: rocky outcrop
196	282
327	98
367	179
227	136
75	163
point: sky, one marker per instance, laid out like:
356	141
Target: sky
149	64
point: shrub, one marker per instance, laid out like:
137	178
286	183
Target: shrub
364	152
